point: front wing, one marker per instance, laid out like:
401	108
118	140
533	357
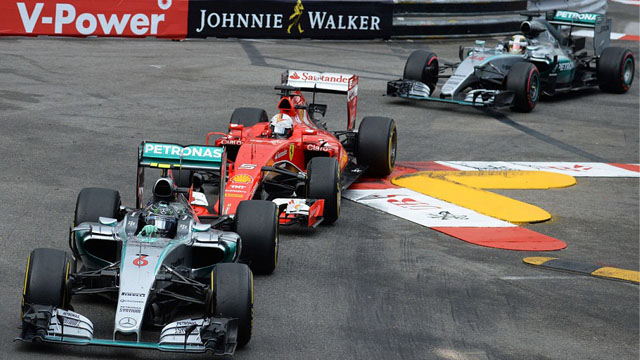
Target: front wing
53	325
416	90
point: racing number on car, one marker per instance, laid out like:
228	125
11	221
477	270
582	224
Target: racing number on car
140	260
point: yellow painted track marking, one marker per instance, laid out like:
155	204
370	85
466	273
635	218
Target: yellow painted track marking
463	188
530	180
537	260
615	273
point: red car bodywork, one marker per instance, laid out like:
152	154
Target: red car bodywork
256	147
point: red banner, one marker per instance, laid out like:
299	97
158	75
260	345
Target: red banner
118	18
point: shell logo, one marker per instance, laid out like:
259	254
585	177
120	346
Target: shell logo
242	178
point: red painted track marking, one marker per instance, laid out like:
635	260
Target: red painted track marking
508	238
630	167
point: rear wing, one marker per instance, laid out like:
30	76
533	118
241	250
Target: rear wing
599	23
169	156
332	83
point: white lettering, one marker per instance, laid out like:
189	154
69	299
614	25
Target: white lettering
86	30
139	24
364	22
352	22
227	20
340	26
254	21
243	20
375	23
113	22
65	14
155	20
29	22
332	22
277	21
315	20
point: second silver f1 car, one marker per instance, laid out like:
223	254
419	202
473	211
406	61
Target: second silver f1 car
544	59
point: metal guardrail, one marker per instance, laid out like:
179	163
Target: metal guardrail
466	18
455	18
592	6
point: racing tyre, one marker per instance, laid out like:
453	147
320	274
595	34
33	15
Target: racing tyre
524	80
616	68
248	116
183	178
232	285
46	279
323	175
377	145
422	66
257	224
95	202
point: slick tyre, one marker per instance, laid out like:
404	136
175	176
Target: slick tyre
257	224
524	80
377	145
46	279
183	178
248	116
323	182
616	68
232	285
93	203
422	66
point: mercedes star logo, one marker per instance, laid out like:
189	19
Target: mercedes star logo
127	322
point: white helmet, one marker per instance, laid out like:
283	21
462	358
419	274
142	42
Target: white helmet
517	44
281	126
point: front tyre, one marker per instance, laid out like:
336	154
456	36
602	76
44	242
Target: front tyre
377	145
232	286
248	116
46	278
616	67
93	203
323	175
257	224
422	66
524	80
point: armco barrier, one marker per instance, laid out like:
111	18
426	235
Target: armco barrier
452	18
285	19
592	6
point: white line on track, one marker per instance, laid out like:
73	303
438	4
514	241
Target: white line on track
514	278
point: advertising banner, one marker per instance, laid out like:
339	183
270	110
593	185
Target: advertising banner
118	18
290	19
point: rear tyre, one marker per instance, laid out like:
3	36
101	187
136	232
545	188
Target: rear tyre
183	178
248	116
524	80
323	175
46	279
377	145
422	66
232	285
95	202
616	68
257	224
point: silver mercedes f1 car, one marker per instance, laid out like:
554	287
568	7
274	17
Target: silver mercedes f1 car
155	261
544	59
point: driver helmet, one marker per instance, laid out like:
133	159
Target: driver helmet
517	44
281	126
163	217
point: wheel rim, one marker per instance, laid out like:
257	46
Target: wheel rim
534	87
627	74
393	144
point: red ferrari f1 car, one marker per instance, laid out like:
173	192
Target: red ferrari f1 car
293	160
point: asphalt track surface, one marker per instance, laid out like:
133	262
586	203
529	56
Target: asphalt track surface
372	286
